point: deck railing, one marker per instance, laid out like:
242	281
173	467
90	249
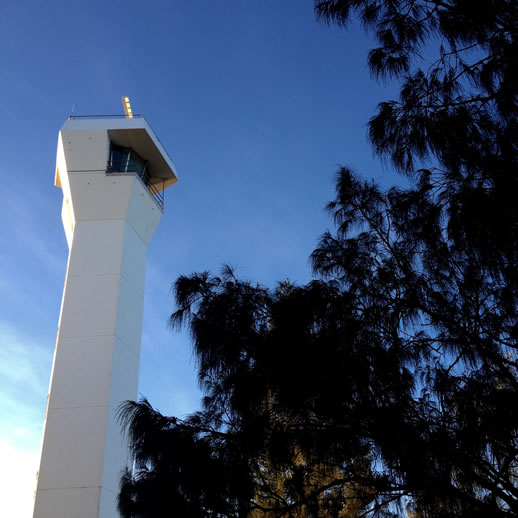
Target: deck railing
131	166
79	117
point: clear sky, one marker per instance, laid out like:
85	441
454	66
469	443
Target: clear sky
257	103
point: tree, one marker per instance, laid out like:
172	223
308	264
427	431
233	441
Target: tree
239	334
182	469
454	233
388	385
448	315
457	117
462	107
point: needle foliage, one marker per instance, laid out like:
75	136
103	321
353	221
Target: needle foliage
387	386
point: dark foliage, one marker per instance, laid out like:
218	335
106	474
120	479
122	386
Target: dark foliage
180	469
389	385
461	107
449	310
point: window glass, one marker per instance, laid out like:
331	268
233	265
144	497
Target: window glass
125	160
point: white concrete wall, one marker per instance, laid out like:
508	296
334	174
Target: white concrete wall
109	220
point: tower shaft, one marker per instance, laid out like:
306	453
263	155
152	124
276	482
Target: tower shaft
109	217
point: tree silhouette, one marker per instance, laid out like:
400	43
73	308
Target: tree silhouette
452	318
388	385
458	105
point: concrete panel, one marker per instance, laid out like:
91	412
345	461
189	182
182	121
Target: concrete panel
86	150
72	453
134	253
61	179
68	221
99	196
89	305
81	502
124	375
116	454
97	247
143	212
82	373
129	316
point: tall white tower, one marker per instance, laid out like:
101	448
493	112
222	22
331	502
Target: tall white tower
112	172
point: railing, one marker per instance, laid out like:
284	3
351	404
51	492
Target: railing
78	117
130	166
127	166
158	195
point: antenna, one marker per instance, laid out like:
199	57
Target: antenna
127	107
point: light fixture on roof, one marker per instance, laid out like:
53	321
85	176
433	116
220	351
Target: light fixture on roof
127	107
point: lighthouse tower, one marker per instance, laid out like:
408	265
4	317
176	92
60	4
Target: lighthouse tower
113	172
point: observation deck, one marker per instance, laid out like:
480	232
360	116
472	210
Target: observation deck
133	149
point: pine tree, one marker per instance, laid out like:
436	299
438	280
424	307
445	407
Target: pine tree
388	385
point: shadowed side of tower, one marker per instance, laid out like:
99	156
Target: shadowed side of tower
112	173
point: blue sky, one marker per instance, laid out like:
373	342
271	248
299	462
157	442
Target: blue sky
257	103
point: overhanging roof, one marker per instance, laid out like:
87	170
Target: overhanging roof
136	134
